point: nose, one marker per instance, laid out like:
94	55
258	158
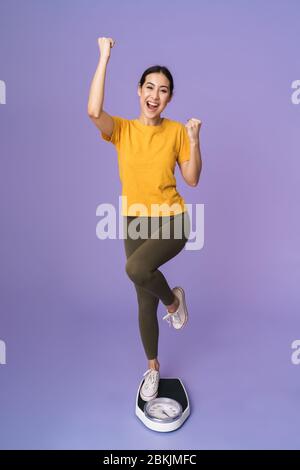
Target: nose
155	96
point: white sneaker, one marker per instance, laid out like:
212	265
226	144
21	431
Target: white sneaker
179	318
149	388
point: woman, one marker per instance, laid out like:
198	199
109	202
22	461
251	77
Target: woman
148	148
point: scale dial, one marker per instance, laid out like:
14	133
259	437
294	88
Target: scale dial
163	409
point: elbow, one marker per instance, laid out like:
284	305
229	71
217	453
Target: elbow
193	183
93	114
190	182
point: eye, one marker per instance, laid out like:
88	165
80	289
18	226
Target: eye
150	88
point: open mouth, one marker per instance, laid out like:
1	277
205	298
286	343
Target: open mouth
151	106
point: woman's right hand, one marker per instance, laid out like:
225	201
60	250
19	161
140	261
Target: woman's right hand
105	45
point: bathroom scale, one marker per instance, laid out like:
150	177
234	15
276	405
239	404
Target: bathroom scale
169	410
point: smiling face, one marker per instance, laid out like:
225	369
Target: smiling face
155	91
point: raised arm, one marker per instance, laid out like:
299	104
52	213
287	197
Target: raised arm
102	120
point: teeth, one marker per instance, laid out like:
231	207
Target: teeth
152	104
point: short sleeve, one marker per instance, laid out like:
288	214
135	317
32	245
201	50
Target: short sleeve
183	145
116	134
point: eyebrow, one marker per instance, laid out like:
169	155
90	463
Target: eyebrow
160	85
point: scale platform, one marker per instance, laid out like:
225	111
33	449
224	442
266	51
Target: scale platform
169	410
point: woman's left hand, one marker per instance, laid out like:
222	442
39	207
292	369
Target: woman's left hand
193	129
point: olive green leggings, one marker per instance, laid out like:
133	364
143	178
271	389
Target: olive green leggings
161	238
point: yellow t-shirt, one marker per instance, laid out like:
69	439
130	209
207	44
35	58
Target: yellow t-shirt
147	157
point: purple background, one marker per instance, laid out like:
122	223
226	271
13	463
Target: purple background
68	310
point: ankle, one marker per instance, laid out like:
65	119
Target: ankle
174	306
153	364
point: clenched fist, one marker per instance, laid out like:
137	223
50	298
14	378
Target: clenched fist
193	128
105	45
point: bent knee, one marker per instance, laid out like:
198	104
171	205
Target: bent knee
137	273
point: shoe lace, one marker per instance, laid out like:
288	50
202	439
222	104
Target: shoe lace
151	375
171	316
168	319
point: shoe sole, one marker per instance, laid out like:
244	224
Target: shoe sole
184	308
